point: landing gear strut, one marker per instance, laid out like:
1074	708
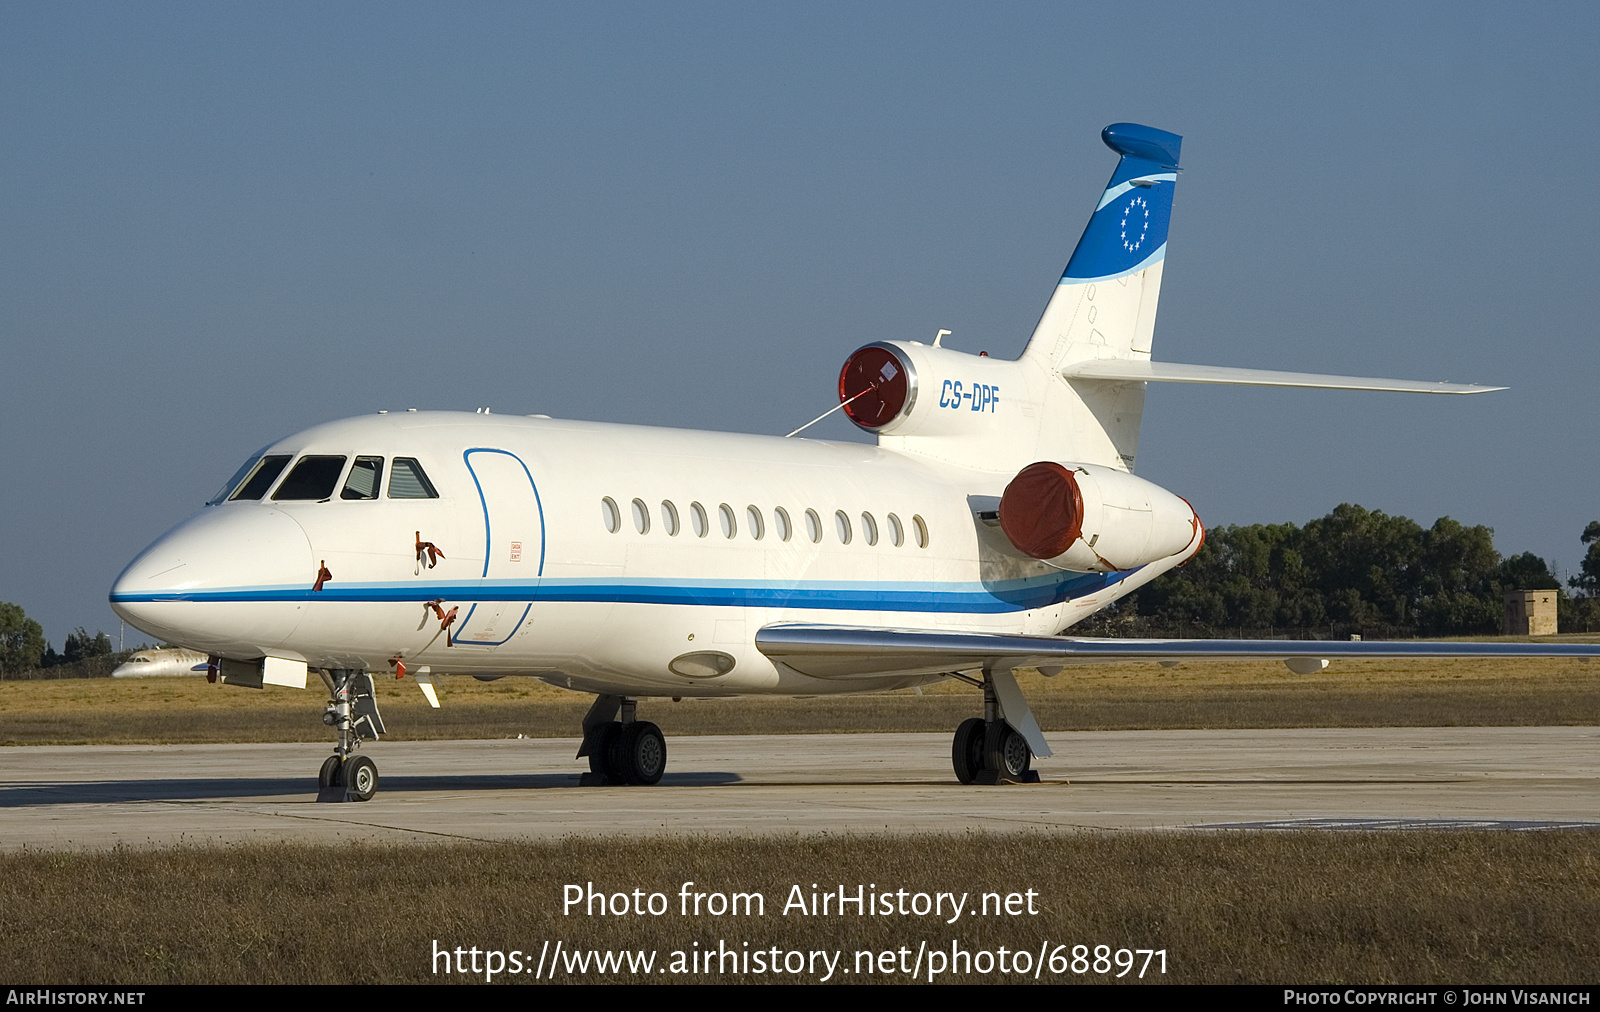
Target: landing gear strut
353	710
621	751
989	750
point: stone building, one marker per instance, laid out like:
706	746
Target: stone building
1530	612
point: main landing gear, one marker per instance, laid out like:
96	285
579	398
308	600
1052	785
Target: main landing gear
989	749
621	749
353	710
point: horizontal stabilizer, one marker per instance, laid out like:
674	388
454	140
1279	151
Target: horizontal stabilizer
1125	370
845	652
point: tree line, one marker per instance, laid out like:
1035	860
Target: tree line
23	648
1353	572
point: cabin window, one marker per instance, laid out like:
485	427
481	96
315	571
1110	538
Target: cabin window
813	526
641	517
897	534
697	516
757	528
841	526
407	480
313	479
869	528
609	514
922	531
366	476
730	525
780	523
669	518
262	478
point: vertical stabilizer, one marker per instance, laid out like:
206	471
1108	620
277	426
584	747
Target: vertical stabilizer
1105	304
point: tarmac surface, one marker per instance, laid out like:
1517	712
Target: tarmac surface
1406	778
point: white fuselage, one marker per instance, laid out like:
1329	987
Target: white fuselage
543	586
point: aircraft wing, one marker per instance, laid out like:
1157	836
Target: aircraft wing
845	652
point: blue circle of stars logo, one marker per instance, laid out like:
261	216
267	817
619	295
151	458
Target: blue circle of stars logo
1135	224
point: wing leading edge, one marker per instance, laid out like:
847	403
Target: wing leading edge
845	652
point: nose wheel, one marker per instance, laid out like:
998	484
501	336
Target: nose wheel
360	775
328	776
353	779
353	710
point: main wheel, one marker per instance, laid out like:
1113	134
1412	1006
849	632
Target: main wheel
966	753
600	755
639	754
1015	756
328	776
360	777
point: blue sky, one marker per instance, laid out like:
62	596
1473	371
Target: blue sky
221	223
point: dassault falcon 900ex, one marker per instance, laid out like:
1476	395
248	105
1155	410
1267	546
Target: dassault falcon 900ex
999	507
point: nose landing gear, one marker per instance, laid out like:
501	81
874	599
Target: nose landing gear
353	709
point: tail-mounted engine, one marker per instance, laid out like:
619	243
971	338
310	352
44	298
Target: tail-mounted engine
903	388
1091	519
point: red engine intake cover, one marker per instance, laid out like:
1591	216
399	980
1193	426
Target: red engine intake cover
1041	511
878	381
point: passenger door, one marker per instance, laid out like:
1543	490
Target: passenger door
513	547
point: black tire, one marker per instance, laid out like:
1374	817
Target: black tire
614	763
1015	755
639	754
966	752
599	756
328	776
360	777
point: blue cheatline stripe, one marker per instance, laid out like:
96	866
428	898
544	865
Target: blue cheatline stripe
1004	596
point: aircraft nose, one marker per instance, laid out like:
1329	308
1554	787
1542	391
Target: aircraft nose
220	581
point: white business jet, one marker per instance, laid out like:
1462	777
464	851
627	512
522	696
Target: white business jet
998	508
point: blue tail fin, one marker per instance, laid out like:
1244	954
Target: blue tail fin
1104	307
1128	231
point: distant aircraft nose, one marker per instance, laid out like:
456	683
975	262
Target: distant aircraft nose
230	579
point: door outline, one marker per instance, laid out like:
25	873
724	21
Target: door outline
488	544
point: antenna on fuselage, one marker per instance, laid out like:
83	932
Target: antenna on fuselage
938	339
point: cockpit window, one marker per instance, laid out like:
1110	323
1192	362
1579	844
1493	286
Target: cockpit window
312	478
262	477
365	479
233	483
407	481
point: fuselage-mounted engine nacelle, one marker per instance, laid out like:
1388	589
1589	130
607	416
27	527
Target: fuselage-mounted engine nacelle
1091	519
902	388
